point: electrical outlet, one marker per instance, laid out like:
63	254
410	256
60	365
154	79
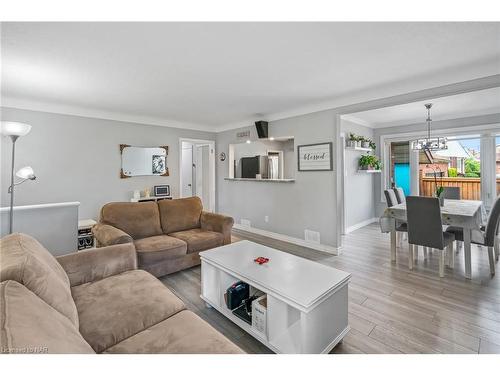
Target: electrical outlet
266	219
246	223
311	236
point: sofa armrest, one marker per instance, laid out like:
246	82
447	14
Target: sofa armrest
107	235
218	223
96	264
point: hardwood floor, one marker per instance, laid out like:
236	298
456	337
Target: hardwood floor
391	309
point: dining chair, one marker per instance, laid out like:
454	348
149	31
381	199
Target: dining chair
487	237
451	192
425	228
400	194
391	199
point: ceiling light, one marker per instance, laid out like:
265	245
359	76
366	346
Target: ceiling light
430	144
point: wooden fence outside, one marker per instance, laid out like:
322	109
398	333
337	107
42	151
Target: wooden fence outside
470	187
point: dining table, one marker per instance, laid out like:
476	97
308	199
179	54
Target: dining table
466	214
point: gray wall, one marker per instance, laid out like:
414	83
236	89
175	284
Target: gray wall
358	193
78	159
460	123
307	203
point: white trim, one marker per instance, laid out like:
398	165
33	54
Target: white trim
362	224
211	158
358	121
343	229
38	206
40	106
294	240
342	106
408	136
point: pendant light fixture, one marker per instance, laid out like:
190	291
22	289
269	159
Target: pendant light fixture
429	143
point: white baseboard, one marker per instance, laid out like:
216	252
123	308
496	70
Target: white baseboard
294	240
362	224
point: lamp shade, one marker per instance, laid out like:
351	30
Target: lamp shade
26	173
18	129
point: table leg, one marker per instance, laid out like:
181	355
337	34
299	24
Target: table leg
467	253
393	245
450	252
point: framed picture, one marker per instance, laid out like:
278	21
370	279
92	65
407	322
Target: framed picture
162	190
315	157
158	164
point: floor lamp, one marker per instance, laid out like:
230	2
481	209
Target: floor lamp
14	130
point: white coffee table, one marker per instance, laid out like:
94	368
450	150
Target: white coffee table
306	301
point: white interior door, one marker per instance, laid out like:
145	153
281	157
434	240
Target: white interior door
202	173
197	176
187	170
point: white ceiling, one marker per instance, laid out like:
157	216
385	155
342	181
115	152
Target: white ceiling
219	75
476	103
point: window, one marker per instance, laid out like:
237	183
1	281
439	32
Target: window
459	165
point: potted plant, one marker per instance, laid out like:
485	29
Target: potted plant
369	162
366	142
352	140
359	140
439	188
373	146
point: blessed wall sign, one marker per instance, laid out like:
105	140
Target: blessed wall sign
315	157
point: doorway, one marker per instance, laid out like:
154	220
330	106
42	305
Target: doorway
197	170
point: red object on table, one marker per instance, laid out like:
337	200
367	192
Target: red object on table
261	260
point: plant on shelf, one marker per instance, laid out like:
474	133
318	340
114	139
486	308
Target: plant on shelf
360	141
365	142
439	188
373	146
369	162
352	140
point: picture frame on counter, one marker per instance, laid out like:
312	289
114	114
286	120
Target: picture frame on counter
162	190
315	157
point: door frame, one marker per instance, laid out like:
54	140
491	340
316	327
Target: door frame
211	173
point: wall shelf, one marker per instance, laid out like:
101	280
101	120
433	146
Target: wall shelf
369	170
360	149
260	180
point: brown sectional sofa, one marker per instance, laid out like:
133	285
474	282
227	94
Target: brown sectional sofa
92	301
168	235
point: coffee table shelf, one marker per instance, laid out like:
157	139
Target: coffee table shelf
306	301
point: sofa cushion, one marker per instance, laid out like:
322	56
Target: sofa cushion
139	219
184	332
158	248
29	325
120	306
180	214
199	239
26	261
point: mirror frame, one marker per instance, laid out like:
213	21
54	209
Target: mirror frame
123	146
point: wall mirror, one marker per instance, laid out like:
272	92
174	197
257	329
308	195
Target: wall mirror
143	161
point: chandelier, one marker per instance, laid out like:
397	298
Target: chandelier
430	144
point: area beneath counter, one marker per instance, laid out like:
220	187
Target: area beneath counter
260	180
